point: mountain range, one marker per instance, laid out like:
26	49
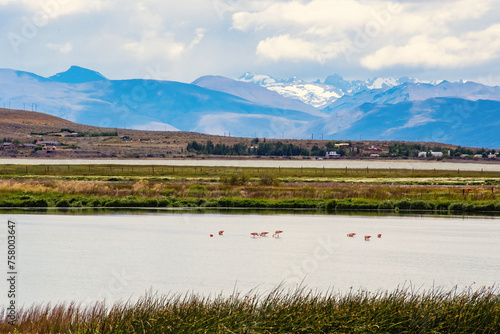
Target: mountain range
461	113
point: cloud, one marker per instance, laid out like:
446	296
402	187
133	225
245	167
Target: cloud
445	52
58	8
285	47
152	46
306	38
321	30
62	48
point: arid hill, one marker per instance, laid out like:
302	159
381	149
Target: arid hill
29	127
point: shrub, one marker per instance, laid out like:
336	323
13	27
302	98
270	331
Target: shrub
63	203
235	179
456	207
269	180
403	205
331	205
386	205
420	206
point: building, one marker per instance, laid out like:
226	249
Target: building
436	154
342	145
374	155
26	146
373	149
492	155
332	154
8	146
49	148
422	154
49	143
478	156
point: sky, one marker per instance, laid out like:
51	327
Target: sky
309	39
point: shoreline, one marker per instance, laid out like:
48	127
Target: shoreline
270	163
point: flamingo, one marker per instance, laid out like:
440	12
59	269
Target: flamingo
277	233
379	235
255	234
367	237
263	234
221	232
351	235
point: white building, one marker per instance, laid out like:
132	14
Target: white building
436	154
332	154
422	154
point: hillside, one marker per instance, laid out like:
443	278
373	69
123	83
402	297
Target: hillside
95	142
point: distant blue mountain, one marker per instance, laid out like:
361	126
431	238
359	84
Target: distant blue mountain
462	113
146	104
77	74
446	120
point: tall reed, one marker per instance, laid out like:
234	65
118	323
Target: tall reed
280	311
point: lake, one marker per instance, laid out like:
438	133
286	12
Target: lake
120	256
255	163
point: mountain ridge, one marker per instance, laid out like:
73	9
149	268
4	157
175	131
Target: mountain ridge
384	109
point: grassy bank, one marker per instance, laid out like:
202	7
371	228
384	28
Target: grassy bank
329	206
400	311
9	171
239	192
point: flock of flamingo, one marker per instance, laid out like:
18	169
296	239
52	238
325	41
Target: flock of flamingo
256	234
367	237
278	232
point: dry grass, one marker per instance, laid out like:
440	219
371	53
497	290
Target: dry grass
301	311
250	190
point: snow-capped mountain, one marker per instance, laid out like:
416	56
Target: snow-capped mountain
254	93
317	95
322	94
416	92
461	113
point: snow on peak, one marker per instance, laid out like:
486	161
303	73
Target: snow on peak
315	94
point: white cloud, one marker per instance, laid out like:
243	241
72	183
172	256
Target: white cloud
152	46
62	48
280	37
200	33
285	47
56	8
445	52
317	29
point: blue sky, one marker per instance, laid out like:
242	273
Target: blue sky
182	40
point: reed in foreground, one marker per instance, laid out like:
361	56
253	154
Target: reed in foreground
280	311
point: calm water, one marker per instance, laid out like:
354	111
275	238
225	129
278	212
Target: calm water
117	257
341	163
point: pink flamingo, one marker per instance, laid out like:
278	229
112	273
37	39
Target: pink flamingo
277	233
367	237
263	234
379	235
351	235
221	232
255	234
